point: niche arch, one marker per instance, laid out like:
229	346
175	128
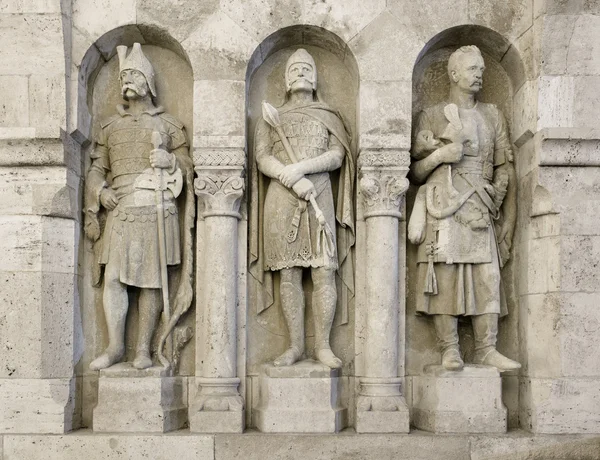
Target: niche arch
505	74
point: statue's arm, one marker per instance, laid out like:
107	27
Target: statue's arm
266	162
95	184
328	161
450	153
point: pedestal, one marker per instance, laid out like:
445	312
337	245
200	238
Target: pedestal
303	398
132	400
467	401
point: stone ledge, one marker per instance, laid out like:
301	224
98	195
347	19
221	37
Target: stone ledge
568	146
516	445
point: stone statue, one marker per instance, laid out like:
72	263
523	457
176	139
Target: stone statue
296	147
140	165
464	216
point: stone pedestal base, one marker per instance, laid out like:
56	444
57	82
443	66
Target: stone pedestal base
380	407
132	400
467	401
303	398
218	407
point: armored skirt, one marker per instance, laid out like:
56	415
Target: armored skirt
292	234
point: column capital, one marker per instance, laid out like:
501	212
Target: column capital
221	188
382	181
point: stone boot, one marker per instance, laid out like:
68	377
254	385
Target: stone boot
446	329
292	304
485	330
324	302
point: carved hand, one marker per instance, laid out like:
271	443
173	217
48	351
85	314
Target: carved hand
109	199
291	174
304	189
162	159
425	141
451	153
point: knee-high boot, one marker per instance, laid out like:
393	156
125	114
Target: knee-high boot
446	330
324	302
485	331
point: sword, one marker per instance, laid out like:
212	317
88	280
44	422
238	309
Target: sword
162	250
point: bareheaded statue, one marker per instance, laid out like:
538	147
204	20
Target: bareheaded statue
137	186
464	215
296	148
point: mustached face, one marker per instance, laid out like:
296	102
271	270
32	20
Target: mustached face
133	84
301	76
468	75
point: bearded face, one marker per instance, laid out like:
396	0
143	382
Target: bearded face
133	84
469	73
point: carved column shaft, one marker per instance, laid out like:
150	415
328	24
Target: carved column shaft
218	406
380	406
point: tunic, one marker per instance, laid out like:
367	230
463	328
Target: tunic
466	261
121	158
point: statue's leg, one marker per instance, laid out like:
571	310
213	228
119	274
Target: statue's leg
115	303
292	304
150	305
485	331
446	330
323	302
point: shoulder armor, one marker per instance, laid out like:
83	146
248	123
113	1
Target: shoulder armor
110	120
171	120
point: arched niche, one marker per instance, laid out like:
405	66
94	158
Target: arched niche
337	86
503	76
99	94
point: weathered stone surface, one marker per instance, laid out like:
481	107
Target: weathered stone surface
219	108
571	147
108	447
556	102
467	401
568	405
255	446
519	446
299	399
37	325
385	109
219	48
41	35
30	6
47	105
179	17
584	47
344	19
511	18
586	108
139	401
97	17
15	100
36	406
44	191
556	39
524	124
425	19
385	36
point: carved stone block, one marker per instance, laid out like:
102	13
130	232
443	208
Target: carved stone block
303	398
132	400
469	401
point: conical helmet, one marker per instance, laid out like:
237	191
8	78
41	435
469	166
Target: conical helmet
300	55
136	61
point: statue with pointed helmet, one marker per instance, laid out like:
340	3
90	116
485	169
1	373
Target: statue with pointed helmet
464	215
297	220
139	187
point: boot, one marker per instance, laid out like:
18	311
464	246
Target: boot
485	330
292	304
446	329
324	302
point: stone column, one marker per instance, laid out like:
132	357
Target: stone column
218	407
382	183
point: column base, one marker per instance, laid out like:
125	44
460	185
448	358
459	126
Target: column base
467	401
303	398
41	406
139	401
218	408
380	407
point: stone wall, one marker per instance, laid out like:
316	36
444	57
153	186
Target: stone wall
56	54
